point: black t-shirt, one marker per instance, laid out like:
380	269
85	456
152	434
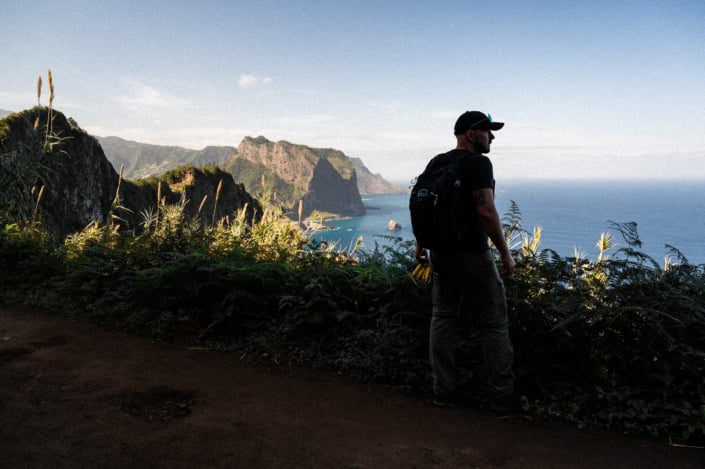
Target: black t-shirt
477	174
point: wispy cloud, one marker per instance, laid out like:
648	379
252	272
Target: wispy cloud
143	97
248	81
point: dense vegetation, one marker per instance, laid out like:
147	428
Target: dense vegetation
618	341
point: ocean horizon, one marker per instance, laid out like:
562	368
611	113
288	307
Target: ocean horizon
571	213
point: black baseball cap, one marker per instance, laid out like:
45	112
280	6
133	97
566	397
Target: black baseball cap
475	120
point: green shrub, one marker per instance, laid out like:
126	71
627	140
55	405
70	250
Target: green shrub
617	342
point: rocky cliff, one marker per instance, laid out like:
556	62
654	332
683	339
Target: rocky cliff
325	180
79	181
329	192
142	160
80	184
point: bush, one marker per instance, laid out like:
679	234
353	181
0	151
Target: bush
615	342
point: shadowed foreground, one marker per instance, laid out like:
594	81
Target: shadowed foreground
75	395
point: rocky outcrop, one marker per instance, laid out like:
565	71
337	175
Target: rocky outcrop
329	192
80	184
324	179
292	163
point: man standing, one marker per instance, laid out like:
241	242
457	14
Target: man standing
465	277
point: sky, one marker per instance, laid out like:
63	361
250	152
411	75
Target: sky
598	89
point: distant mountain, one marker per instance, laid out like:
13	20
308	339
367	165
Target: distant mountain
322	179
369	183
142	160
4	113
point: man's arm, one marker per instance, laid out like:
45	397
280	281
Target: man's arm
489	218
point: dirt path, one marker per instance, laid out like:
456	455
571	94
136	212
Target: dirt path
75	395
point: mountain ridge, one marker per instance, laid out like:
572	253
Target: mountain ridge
143	160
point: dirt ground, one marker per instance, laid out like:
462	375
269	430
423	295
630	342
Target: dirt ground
75	395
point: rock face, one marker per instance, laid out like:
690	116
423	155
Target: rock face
79	181
328	191
80	184
393	225
324	179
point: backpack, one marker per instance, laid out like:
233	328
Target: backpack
435	203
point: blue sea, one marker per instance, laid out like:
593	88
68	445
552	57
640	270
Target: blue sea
572	215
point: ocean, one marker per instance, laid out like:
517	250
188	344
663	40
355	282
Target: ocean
572	215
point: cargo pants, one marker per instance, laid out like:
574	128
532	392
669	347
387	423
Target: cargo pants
469	283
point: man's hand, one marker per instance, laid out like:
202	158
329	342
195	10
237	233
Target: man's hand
508	264
421	254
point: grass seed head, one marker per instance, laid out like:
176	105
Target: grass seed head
217	191
41	193
51	88
203	202
39	89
